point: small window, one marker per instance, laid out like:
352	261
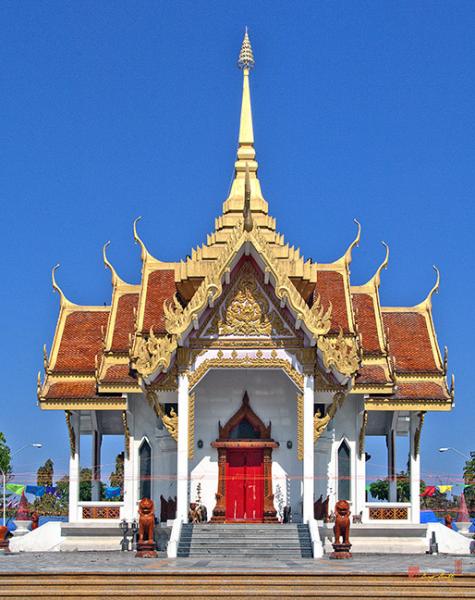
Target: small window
244	431
344	471
145	457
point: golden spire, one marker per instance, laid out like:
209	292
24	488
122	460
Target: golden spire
427	303
246	150
138	240
248	224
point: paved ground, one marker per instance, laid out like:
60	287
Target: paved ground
89	562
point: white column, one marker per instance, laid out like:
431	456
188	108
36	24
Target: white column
415	471
130	479
308	449
182	450
74	470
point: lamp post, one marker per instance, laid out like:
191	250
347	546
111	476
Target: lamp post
454	450
4	477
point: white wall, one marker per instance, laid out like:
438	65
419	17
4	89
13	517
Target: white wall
273	398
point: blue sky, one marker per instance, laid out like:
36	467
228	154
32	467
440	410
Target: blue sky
110	110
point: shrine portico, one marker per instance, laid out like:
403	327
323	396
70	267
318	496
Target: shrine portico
245	378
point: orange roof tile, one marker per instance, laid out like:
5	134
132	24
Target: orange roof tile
72	389
409	342
368	374
118	373
421	389
331	288
124	322
366	322
81	341
161	287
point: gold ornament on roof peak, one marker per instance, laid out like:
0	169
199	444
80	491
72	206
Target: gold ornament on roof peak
246	56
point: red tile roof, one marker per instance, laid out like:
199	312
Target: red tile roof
72	389
421	389
365	314
118	374
409	342
368	374
331	288
81	341
161	287
124	322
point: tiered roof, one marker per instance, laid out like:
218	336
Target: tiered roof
94	356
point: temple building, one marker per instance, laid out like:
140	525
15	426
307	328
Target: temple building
245	377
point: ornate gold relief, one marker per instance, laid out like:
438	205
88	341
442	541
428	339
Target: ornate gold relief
191	424
340	352
247	311
126	434
300	426
153	352
361	438
169	421
417	434
72	434
320	423
246	362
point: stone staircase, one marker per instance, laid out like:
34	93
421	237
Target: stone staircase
245	540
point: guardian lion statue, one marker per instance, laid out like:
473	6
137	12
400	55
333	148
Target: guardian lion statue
146	521
342	522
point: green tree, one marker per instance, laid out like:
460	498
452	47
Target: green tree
117	477
5	456
380	488
469	479
45	474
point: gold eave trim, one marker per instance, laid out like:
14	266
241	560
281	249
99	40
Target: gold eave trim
411	405
119	388
83	404
372	389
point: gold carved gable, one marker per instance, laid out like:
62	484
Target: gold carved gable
246	311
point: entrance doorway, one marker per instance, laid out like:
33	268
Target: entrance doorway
245	484
244	469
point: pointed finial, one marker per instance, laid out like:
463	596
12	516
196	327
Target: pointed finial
115	278
383	265
427	303
354	244
138	239
63	300
246	56
248	223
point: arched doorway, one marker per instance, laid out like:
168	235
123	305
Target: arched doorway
244	469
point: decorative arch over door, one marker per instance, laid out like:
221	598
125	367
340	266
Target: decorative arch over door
244	469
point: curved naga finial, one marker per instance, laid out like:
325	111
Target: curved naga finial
427	303
139	241
383	265
115	278
354	244
63	300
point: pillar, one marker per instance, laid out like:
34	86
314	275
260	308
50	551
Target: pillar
182	503
391	444
96	438
360	471
130	476
74	470
308	449
415	471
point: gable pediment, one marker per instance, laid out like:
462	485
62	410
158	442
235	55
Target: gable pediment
247	309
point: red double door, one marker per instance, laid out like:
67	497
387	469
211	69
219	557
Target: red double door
244	484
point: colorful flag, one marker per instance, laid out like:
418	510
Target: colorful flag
429	491
50	489
36	490
445	488
111	492
16	488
